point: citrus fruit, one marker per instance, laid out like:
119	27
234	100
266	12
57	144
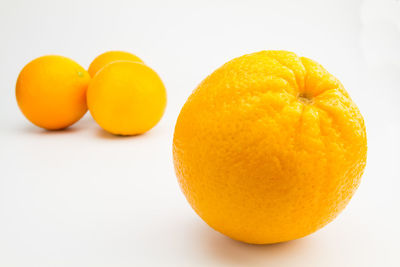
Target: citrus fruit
99	62
269	148
51	91
126	98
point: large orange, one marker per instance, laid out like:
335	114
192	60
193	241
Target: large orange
269	148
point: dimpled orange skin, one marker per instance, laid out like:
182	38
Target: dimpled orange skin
51	92
269	148
126	98
100	61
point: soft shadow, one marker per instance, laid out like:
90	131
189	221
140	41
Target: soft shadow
230	252
31	129
106	135
84	123
101	133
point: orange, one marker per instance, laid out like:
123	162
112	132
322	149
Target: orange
99	62
126	98
269	148
51	92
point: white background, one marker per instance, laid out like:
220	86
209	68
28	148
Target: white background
82	197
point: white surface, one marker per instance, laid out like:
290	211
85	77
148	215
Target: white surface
82	197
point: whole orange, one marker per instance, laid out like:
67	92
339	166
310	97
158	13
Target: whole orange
100	61
269	148
51	92
126	98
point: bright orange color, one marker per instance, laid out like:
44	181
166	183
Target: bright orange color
51	92
269	148
99	62
126	98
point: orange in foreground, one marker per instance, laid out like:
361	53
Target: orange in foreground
126	98
269	148
51	92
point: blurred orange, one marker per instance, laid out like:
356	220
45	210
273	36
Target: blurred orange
51	91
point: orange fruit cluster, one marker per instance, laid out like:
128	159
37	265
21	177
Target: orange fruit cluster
124	96
270	147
